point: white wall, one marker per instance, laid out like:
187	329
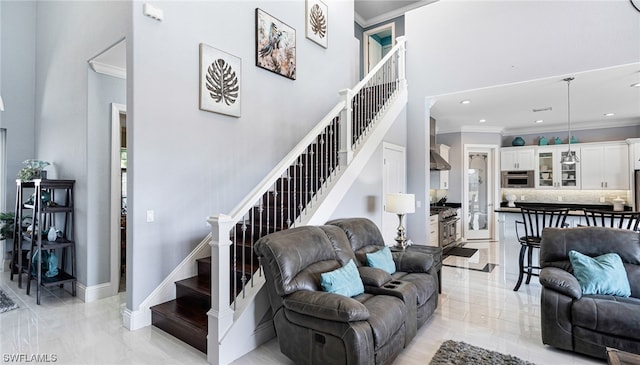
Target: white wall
460	45
187	164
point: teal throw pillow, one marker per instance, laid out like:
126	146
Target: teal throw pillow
604	274
382	259
344	281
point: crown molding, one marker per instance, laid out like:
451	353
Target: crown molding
365	23
109	70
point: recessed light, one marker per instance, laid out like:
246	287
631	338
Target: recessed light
637	84
609	114
482	120
465	102
539	121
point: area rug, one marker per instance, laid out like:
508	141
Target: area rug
461	353
461	251
6	304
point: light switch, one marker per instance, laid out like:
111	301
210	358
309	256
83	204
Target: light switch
153	12
150	216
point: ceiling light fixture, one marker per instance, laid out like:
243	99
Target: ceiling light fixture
465	102
609	114
637	84
539	121
570	158
482	120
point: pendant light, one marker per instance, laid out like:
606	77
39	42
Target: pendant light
570	158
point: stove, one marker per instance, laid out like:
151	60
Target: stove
447	222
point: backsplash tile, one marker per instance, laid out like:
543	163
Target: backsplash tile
568	196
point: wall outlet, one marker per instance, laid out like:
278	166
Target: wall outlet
559	198
521	197
602	199
150	216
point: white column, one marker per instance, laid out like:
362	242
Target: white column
221	314
346	127
402	41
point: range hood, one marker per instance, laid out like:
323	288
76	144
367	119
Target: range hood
437	162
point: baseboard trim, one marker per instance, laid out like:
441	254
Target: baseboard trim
134	320
94	292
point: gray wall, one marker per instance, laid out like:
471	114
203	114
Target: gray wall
187	164
68	35
102	91
364	198
17	74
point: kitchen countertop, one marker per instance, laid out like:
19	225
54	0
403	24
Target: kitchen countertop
576	209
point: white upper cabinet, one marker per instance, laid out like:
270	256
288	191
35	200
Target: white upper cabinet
517	158
551	173
605	166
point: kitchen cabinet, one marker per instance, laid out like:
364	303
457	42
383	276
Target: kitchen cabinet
551	173
634	152
440	179
433	231
605	166
517	158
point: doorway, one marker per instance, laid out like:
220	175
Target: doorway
376	43
480	191
118	212
394	180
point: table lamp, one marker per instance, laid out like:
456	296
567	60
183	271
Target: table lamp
401	204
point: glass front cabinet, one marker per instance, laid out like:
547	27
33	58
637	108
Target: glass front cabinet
551	174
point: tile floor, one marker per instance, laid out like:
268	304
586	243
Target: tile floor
477	307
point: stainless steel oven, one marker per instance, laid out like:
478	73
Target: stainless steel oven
518	179
447	225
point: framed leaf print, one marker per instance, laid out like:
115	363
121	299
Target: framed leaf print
317	19
220	81
275	45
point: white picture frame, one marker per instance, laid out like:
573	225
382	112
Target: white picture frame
317	22
220	81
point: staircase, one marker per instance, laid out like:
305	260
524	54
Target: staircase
306	185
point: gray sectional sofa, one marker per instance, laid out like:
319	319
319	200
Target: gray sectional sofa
318	327
583	323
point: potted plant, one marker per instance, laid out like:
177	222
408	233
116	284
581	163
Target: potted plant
33	170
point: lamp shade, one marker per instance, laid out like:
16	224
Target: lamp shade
401	203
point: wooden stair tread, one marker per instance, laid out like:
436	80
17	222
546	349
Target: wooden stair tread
186	312
197	283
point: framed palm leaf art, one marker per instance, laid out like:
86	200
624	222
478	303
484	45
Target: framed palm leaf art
220	81
317	22
275	45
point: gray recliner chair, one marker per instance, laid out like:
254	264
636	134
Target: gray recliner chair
582	323
316	327
414	267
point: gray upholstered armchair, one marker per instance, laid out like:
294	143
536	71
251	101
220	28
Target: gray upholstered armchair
575	321
414	267
317	327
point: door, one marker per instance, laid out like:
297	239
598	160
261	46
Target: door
479	192
375	43
394	180
118	196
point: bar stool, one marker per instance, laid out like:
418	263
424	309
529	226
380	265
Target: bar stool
534	220
612	219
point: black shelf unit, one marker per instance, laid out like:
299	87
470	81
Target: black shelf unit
45	214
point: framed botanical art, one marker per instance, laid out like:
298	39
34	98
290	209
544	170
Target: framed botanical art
220	81
275	45
317	22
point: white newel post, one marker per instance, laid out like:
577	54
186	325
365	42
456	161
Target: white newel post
221	314
402	41
346	130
